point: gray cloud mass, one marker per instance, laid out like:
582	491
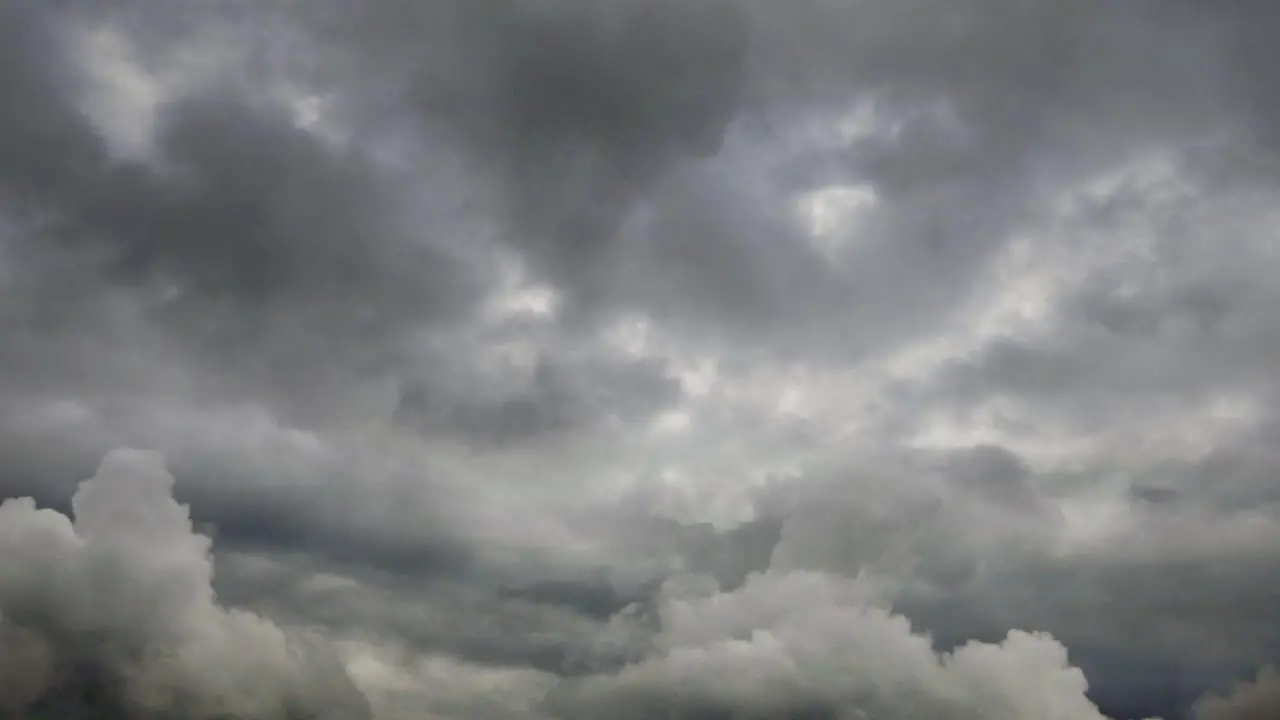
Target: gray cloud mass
558	359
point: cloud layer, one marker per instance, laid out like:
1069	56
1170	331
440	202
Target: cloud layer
562	359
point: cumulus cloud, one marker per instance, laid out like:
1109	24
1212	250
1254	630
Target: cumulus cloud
1259	699
817	646
112	613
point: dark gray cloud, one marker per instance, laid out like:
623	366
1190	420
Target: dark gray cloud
556	358
571	108
267	253
559	396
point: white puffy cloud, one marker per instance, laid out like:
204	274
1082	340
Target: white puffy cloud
814	645
113	611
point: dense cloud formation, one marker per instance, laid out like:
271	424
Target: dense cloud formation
1258	699
562	359
809	646
113	614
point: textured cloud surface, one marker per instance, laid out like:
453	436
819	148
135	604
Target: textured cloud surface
113	614
807	645
1258	699
566	359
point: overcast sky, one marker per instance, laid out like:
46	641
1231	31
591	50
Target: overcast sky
681	359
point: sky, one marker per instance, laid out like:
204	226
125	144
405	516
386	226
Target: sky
692	359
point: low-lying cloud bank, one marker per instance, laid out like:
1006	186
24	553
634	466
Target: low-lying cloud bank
1256	700
811	645
112	614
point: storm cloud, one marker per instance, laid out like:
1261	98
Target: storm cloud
560	359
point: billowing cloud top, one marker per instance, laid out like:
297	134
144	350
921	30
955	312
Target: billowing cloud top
561	359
